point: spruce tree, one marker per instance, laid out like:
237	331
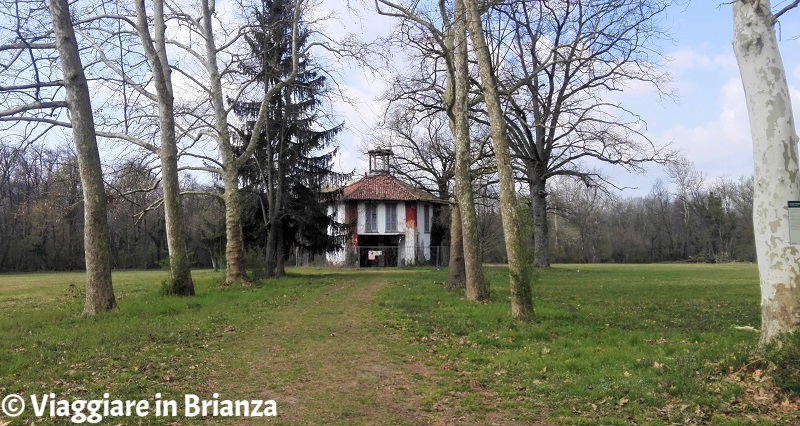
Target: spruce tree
293	163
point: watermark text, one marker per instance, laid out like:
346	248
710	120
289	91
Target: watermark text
95	410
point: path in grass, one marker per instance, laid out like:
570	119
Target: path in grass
325	360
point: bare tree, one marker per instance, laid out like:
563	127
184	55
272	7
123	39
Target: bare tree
155	49
581	206
37	101
772	127
567	57
456	104
41	209
215	52
442	39
521	297
423	149
107	35
422	153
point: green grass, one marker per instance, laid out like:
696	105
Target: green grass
612	344
152	344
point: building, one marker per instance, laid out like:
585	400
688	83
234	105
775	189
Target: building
390	220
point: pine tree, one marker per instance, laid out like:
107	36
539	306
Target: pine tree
293	163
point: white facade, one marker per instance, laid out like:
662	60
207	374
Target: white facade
375	234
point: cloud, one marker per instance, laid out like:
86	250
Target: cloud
690	59
687	58
721	146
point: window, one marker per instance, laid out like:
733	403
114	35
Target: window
372	218
391	217
426	218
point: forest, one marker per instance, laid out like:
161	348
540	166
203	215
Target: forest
41	218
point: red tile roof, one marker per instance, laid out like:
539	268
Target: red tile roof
385	187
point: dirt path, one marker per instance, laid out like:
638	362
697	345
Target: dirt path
324	361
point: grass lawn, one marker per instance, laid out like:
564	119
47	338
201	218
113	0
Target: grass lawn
612	344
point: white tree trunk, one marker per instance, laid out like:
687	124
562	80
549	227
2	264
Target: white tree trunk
776	164
234	243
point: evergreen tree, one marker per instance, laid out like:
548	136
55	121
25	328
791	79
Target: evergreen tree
293	163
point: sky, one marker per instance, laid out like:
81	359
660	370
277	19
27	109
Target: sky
707	122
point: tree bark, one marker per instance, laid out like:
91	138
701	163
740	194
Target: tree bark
280	258
271	255
541	243
456	272
179	262
99	289
234	245
776	165
521	299
156	51
234	241
477	288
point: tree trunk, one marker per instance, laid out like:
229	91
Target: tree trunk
180	270
274	251
438	226
179	262
234	245
477	288
234	241
521	299
456	272
280	253
270	255
776	165
541	241
99	290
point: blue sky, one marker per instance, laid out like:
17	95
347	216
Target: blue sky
707	123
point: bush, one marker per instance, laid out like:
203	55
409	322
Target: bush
255	264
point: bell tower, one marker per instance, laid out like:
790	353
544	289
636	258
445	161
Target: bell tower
379	161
